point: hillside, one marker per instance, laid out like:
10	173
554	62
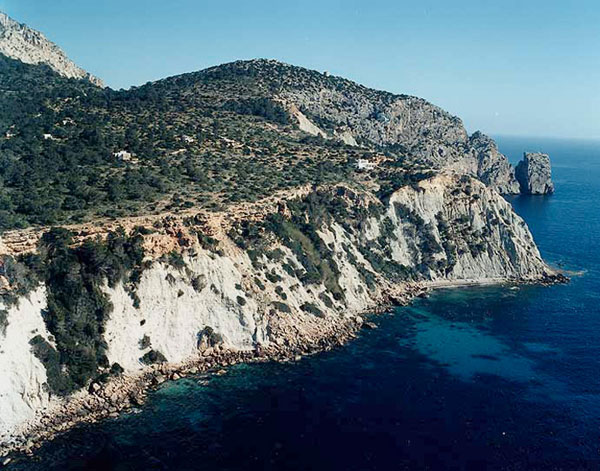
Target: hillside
227	134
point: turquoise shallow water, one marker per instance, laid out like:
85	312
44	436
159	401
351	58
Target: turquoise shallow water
479	378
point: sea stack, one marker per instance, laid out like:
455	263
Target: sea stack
534	174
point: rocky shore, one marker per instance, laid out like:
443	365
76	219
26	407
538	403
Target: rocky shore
105	401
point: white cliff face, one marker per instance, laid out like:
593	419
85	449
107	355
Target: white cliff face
452	212
448	229
22	375
173	312
476	217
18	41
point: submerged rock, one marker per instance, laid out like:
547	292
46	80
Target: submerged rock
534	174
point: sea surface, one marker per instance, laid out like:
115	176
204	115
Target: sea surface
479	378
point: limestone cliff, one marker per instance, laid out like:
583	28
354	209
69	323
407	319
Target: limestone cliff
279	277
18	41
411	125
534	174
493	167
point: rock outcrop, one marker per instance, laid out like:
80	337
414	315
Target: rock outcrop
534	174
412	126
445	230
18	41
493	168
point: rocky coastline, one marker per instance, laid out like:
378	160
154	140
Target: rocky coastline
122	394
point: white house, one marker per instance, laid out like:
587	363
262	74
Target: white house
122	154
364	164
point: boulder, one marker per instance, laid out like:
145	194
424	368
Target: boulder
534	174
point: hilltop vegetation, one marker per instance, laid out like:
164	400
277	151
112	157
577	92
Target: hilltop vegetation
72	152
189	148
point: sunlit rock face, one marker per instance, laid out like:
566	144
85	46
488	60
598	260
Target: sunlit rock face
534	174
18	41
447	230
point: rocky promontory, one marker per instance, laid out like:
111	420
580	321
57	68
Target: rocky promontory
271	277
534	174
493	168
247	211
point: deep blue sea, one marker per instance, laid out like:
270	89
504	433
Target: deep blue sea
480	378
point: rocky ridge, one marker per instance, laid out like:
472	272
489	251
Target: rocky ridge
18	41
413	127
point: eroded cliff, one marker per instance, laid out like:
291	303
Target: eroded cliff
282	276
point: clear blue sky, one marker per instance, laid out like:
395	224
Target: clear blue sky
526	67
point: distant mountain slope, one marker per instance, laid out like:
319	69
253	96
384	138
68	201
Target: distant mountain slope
335	107
18	41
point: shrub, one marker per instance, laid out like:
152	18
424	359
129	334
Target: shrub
175	259
282	307
144	342
209	243
207	337
280	292
22	274
263	107
273	277
312	309
116	369
260	284
77	308
3	321
170	279
241	301
289	268
199	283
275	255
326	300
153	357
58	382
